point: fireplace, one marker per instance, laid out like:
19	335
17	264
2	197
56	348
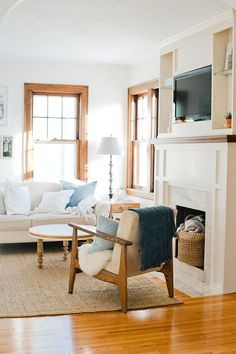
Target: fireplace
199	173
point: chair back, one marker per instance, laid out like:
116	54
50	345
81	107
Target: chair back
129	230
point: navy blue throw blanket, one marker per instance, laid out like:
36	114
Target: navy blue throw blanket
157	228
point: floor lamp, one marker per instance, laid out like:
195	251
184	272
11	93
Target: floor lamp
109	146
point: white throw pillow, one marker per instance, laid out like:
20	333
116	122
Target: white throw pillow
2	203
17	199
54	201
87	203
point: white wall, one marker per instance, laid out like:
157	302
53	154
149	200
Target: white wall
145	71
107	109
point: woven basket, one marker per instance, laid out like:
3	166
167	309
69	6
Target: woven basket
191	247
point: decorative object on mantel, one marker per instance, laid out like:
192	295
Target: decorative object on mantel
28	291
3	105
228	118
229	56
191	243
109	146
6	149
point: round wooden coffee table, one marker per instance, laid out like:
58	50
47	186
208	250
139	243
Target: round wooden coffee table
56	232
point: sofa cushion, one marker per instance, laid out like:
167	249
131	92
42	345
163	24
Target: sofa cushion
17	199
2	203
52	218
36	190
80	191
54	201
14	222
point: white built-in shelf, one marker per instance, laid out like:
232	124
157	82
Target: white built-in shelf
224	72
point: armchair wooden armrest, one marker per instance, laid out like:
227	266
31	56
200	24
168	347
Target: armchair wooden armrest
92	231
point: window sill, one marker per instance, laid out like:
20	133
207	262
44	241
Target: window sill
140	194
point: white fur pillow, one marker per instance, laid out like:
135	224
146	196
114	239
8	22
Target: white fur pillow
54	201
92	264
17	199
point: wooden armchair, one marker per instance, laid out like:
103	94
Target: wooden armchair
125	260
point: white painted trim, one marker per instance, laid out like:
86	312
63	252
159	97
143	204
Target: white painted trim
195	29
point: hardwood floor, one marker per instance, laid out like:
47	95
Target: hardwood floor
201	325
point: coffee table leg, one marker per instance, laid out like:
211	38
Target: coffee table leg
40	253
65	250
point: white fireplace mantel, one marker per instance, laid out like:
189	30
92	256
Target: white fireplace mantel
200	173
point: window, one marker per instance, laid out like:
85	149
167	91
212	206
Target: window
55	132
142	125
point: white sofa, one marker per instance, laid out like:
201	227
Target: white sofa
14	228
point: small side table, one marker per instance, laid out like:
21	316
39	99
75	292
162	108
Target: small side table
117	207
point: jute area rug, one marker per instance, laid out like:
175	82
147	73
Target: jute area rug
26	290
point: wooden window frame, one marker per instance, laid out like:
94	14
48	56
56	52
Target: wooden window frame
81	130
146	87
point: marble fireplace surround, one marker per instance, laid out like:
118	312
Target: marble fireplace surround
200	200
200	173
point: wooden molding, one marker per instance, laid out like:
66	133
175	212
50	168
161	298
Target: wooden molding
196	140
140	194
143	87
82	124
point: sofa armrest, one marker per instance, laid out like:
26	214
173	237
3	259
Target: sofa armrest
102	208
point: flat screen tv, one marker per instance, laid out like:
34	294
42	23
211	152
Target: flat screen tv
192	95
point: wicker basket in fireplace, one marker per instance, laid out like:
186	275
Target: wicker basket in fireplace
191	247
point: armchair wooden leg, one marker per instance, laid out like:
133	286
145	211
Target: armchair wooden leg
122	279
74	257
167	270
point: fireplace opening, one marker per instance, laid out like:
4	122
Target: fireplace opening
190	241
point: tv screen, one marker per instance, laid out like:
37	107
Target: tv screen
192	95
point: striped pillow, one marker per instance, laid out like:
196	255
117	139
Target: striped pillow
80	191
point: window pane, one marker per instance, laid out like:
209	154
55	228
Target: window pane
39	106
145	107
54	128
140	107
144	129
40	128
54	161
139	129
69	129
69	107
142	165
54	106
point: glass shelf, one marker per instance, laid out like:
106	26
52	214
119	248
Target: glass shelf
224	72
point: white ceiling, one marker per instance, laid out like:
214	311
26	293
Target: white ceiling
101	31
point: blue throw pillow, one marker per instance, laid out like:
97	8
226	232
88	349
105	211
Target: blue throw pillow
108	226
81	191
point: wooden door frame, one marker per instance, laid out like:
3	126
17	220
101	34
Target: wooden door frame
82	126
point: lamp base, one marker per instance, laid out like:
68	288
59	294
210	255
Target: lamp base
110	178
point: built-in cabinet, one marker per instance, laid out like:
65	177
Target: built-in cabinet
223	92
